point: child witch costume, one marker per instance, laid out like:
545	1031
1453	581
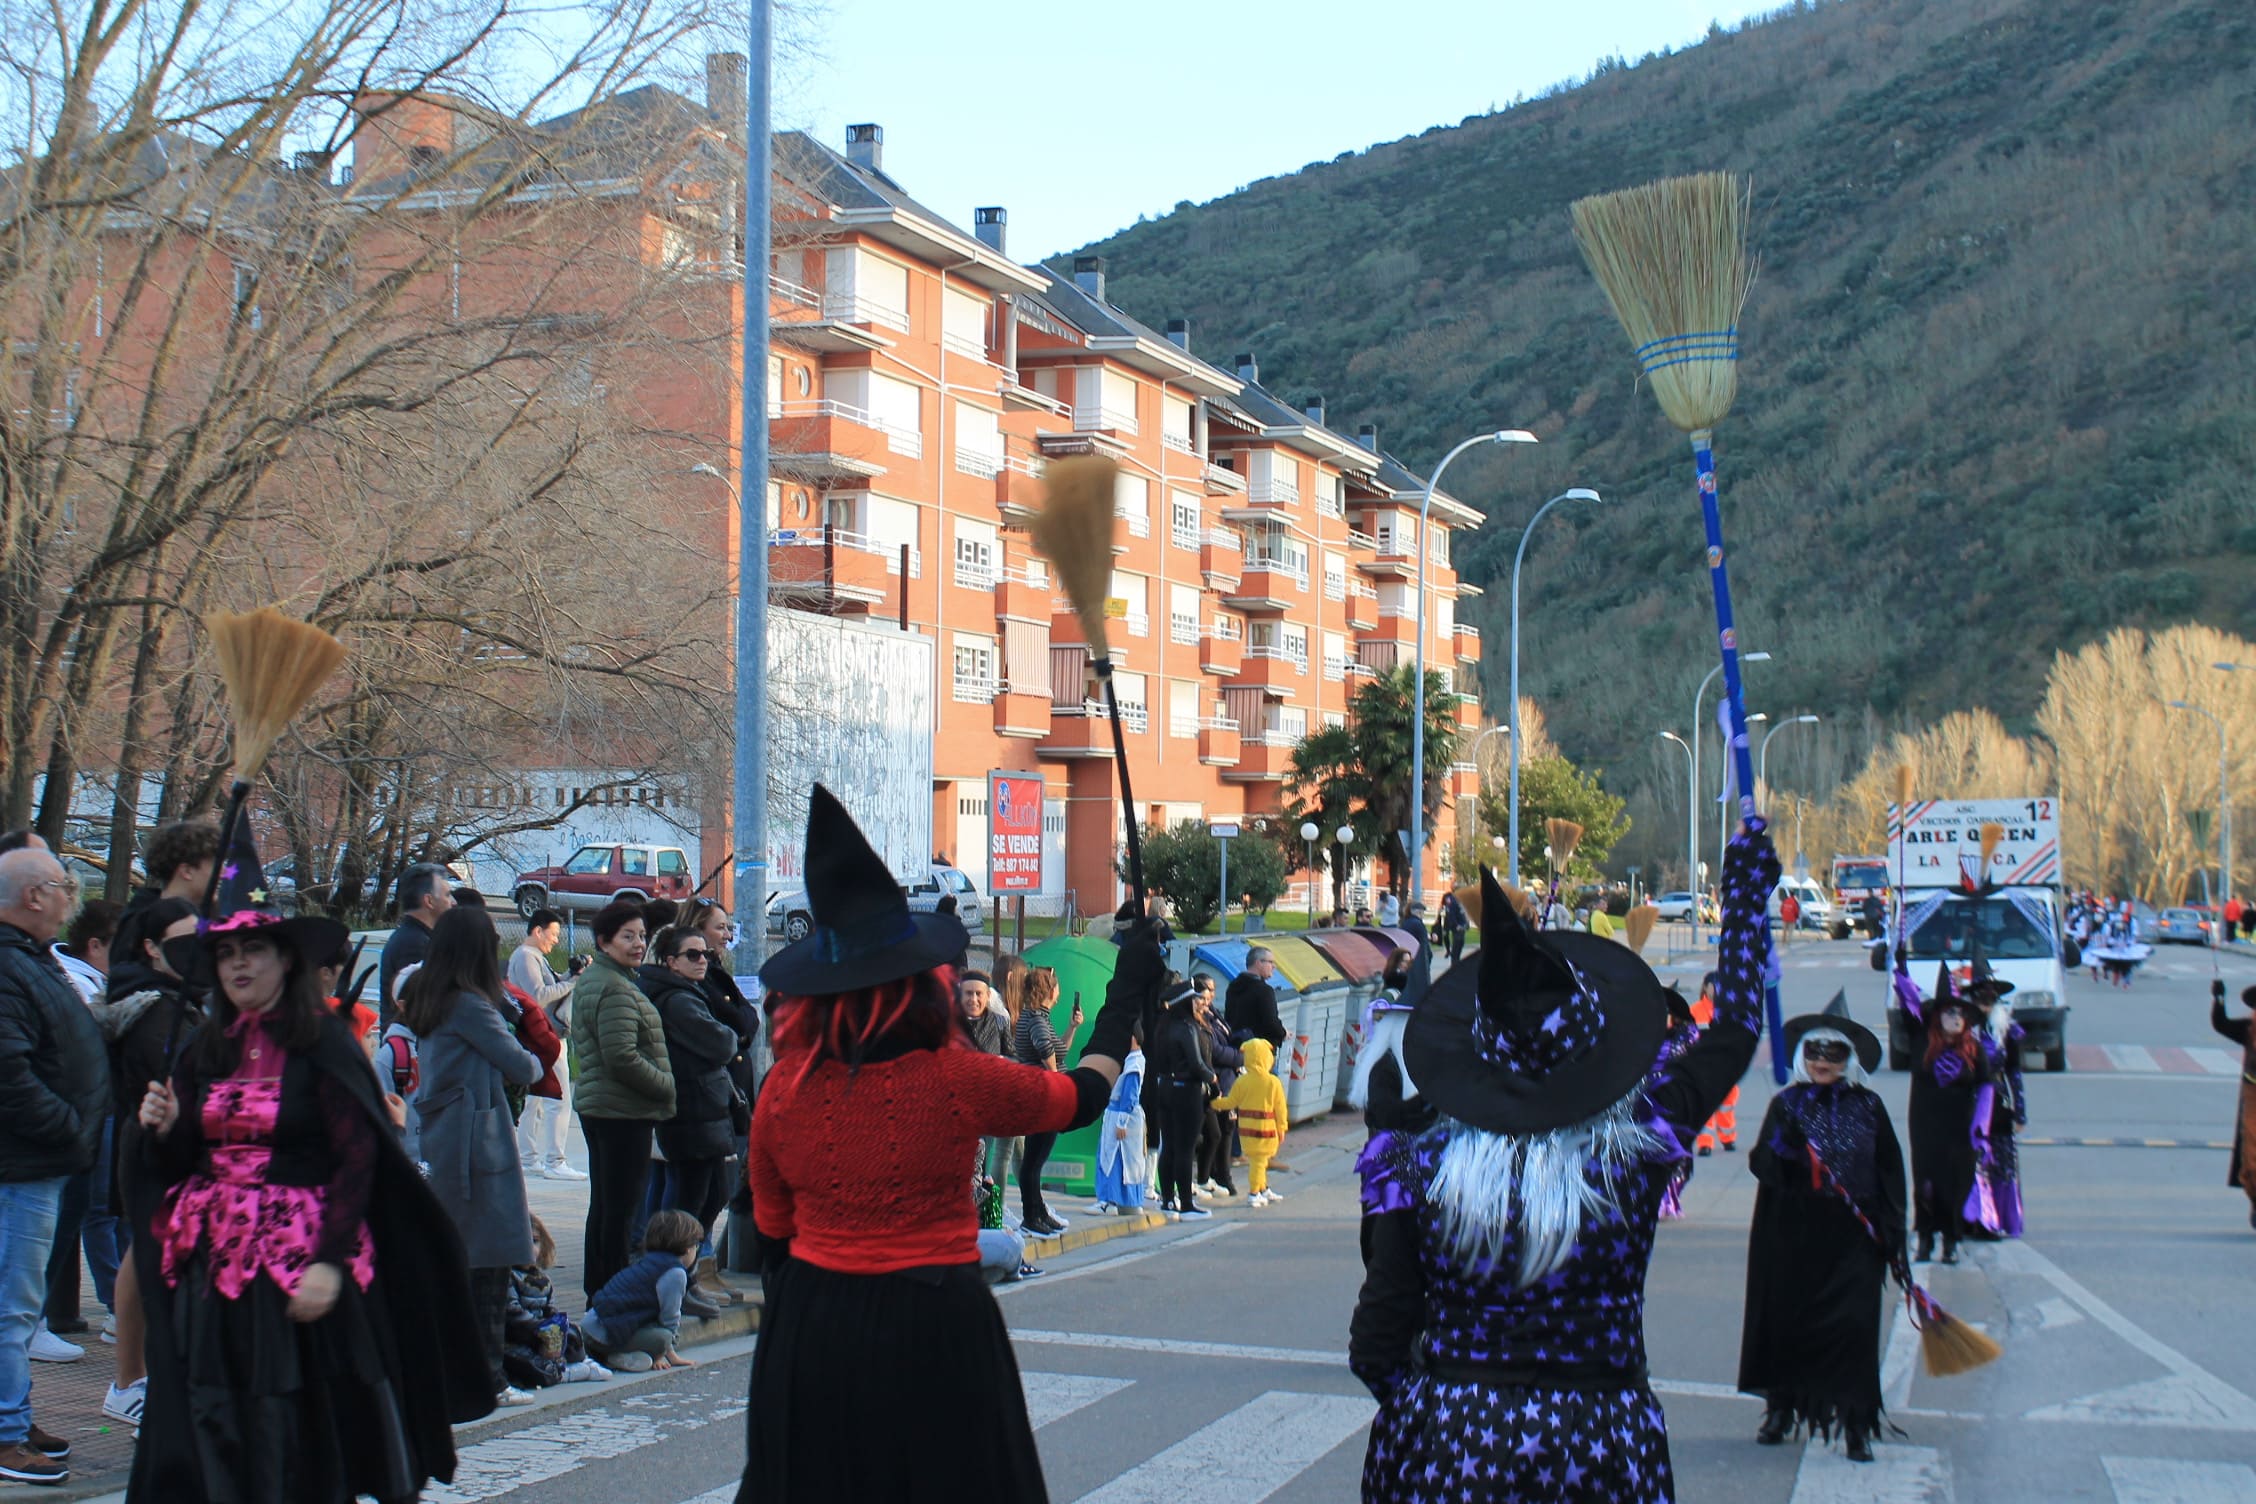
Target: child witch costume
1501	1323
877	1315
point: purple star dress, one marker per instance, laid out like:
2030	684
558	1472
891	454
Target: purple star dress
1490	1389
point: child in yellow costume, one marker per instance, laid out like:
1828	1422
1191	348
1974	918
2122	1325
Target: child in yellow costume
1259	1098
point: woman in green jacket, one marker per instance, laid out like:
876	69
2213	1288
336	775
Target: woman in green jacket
623	1087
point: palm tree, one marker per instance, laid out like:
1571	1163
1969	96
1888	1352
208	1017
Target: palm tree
1360	774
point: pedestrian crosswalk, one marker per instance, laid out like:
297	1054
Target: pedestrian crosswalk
2154	1060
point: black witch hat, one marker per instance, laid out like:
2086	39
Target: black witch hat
865	934
1835	1018
1535	1032
1984	986
244	904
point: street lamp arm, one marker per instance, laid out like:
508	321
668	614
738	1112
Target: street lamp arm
1519	557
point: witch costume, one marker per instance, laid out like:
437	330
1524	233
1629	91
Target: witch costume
285	1160
1683	1033
878	1328
1501	1322
1951	1094
1993	1207
2242	1169
1828	1228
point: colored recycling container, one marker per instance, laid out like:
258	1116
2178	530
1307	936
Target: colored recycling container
1083	967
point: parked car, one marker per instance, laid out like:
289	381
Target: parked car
595	875
2182	927
1817	909
1677	907
790	915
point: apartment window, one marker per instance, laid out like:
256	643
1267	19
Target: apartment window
979	440
1133	592
1444	613
1183	518
963	323
1328	494
1289	722
975	554
246	295
775	386
1272	477
1116	399
1335	577
1183	614
899	409
975	668
1128	689
1182	708
1131	503
1397	533
860	287
1335	718
1335	655
1295	641
1275	546
1175	430
1437	544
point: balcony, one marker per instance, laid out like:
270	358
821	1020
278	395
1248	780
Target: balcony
1221	560
1391	626
1218	742
973	689
1084	729
841	572
1139	523
986	466
853	308
1383	657
1267	585
1362	606
1273	492
830	430
1270	668
1335	669
1262	756
1220	479
1019	491
1183	630
1024	596
1220	655
1390	559
1021	715
1468	644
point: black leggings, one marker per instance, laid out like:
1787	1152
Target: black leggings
618	1177
1213	1165
699	1187
1182	1111
489	1298
1030	1203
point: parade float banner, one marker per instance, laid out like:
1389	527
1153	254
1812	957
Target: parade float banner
1939	841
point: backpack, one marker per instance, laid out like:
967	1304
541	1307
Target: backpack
397	1060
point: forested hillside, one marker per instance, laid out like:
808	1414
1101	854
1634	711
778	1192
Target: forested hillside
1997	374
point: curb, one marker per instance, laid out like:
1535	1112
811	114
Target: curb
1114	1226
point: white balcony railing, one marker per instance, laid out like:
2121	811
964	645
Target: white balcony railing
1468	632
793	292
974	462
1183	537
1088	416
1335	668
1178	443
1218	723
1222	537
974	689
1361	540
975	574
1033	573
1265	650
965	345
1137	623
1329	506
1139	523
815	537
1275	492
1226	628
1297	573
853	308
1134	717
1183	629
1184	727
1357	590
1335	588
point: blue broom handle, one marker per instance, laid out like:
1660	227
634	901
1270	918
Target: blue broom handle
1727	639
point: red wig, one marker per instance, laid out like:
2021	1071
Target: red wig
913	1013
1968	1045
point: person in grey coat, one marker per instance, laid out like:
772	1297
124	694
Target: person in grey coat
468	1057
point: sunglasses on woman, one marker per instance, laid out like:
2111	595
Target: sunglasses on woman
699	954
1829	1050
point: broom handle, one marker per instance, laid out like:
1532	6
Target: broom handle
235	797
1743	758
1103	667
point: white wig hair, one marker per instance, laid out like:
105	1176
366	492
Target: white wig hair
1541	1186
1853	1072
1383	1037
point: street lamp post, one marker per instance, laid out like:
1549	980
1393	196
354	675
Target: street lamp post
1762	774
1308	834
2224	802
1345	836
1691	827
1692	814
2230	668
1418	653
1578	493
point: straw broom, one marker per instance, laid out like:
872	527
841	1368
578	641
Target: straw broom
1902	818
1074	531
1672	259
1947	1345
1637	928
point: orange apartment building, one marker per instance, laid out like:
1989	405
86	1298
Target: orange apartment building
920	380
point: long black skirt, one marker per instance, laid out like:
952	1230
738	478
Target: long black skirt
286	1412
1810	1344
859	1386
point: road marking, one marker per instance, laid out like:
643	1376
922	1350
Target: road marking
2057	1312
1896	1475
1054	1396
503	1464
1900	1363
2125	1143
1184	1348
2163	1480
2213	1060
2131	1057
2190	1396
1245	1456
1017	1287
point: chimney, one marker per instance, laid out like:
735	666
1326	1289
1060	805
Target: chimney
1089	275
727	78
865	146
1368	437
989	224
1179	334
1248	372
1314	410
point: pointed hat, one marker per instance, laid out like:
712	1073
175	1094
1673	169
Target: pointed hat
864	933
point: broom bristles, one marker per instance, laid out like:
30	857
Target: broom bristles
1903	789
1949	1346
1469	899
1565	836
1672	258
271	664
1074	531
1992	834
1638	927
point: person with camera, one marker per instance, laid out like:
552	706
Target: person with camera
541	1131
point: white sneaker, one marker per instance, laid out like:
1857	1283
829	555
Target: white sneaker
512	1395
1196	1213
561	1171
125	1404
46	1347
586	1371
1274	1195
1101	1208
109	1329
1172	1214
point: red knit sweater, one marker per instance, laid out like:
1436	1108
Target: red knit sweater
871	1172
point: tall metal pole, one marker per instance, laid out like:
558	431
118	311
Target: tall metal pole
2224	802
1691	831
1519	558
1417	850
750	789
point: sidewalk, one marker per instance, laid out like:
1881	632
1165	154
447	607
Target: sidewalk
67	1397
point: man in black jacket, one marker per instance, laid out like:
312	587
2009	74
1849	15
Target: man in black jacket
54	1094
426	890
1250	1008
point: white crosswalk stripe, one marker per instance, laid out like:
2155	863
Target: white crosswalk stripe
1245	1456
1054	1396
1896	1475
2213	1060
2165	1480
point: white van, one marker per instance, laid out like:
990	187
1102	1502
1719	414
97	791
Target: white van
1817	909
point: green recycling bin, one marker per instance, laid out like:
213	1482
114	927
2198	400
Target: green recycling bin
1084	969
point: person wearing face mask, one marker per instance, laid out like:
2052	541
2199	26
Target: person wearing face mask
1828	1228
305	1292
1951	1093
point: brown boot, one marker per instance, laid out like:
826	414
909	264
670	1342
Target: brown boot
706	1281
20	1464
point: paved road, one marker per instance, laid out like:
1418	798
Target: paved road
1205	1364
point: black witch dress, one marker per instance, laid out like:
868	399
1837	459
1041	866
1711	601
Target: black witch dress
1946	1093
1828	1227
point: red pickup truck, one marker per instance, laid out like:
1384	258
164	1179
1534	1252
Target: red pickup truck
595	875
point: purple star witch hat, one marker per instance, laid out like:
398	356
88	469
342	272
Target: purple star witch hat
244	904
1535	1031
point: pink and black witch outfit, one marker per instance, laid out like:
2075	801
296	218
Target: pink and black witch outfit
1501	1321
282	1158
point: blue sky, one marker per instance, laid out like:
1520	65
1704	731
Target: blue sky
1078	117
